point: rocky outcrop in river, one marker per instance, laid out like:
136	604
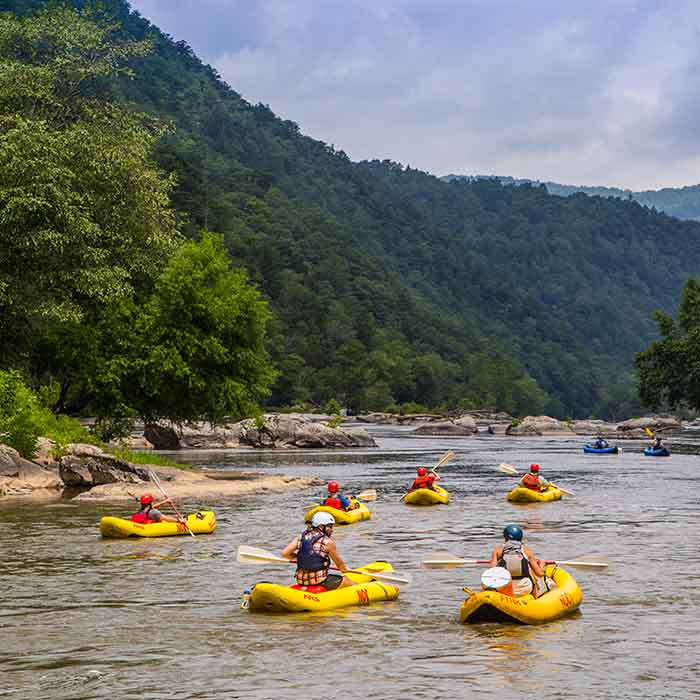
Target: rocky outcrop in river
274	430
465	425
20	477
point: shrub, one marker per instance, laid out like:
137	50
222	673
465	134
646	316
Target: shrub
20	414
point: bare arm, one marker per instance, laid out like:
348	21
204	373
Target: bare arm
495	555
536	564
337	559
291	549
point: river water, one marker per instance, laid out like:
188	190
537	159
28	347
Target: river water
85	618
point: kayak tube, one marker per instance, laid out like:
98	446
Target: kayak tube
651	452
273	598
201	523
427	497
521	494
589	449
342	517
492	606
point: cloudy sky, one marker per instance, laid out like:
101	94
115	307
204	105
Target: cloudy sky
596	92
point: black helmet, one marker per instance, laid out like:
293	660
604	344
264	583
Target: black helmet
513	532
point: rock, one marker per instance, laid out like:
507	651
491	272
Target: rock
465	425
205	436
539	425
656	424
398	419
91	470
593	427
497	428
44	453
162	437
19	476
81	449
135	442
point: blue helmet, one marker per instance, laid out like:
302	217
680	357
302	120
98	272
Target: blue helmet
513	532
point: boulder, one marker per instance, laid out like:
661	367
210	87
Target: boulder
497	428
86	471
19	476
540	425
656	424
44	454
593	427
162	437
465	425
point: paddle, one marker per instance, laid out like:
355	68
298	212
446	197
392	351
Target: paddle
256	555
454	561
156	481
368	495
443	460
512	471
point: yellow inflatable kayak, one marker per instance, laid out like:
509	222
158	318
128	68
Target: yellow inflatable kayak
427	497
271	597
342	517
200	523
522	495
492	606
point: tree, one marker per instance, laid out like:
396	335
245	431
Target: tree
85	216
669	369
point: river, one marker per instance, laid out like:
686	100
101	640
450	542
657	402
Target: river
86	618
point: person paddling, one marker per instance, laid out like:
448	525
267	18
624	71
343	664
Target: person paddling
314	550
601	444
533	480
336	499
656	443
424	480
149	514
525	568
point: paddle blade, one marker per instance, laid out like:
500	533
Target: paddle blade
649	433
369	495
507	469
448	456
582	564
255	555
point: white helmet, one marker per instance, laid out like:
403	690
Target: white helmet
322	519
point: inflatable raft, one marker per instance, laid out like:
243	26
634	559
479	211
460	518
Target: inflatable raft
427	497
492	606
342	517
651	452
522	495
589	449
273	598
201	523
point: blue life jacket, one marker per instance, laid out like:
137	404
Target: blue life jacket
307	558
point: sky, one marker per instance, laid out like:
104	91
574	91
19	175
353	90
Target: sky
586	93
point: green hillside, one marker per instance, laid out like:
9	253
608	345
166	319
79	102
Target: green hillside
681	202
390	286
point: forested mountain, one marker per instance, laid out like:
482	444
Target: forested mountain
388	285
681	202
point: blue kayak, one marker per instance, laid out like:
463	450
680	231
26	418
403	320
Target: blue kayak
600	450
650	452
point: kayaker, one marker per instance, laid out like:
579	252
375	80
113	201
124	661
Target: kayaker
524	567
336	499
532	480
314	550
149	514
656	443
601	444
424	480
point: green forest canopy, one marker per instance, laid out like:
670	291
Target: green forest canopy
390	287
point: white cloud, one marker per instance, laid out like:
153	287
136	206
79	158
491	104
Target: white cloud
594	93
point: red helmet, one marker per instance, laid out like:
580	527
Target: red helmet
146	499
422	471
333	487
534	468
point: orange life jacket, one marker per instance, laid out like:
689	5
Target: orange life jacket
141	517
531	481
333	502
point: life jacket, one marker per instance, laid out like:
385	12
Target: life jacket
141	517
423	482
308	558
531	481
334	502
513	559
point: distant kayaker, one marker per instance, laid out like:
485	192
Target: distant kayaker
424	480
532	480
601	444
524	567
336	499
656	443
149	514
314	550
